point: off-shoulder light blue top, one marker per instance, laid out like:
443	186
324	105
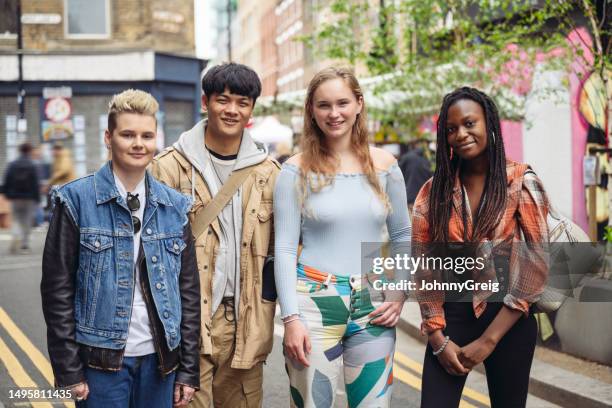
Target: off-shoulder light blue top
333	226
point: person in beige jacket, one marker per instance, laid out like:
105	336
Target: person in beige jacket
238	298
62	169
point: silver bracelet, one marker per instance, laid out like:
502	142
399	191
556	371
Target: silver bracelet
291	318
442	347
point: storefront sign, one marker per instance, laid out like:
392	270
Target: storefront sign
56	131
57	114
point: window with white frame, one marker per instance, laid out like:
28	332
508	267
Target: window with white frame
87	18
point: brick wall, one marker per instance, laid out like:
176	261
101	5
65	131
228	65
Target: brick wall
132	26
291	52
173	26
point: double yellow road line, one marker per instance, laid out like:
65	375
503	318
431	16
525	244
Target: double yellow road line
405	369
408	371
16	371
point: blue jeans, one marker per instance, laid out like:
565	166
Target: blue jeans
137	385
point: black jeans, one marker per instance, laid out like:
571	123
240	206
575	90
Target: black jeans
507	368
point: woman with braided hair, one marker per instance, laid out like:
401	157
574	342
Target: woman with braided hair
480	198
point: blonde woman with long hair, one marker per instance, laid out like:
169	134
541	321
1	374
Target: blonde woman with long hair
335	195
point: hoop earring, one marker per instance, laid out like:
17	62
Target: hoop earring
493	136
451	153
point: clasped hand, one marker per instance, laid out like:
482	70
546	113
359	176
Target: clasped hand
460	360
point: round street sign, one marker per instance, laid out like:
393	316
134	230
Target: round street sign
57	109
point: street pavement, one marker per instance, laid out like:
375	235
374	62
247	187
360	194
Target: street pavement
24	360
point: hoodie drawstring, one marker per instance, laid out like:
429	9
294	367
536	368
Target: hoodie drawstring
193	184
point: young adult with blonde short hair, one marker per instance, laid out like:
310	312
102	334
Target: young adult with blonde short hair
120	288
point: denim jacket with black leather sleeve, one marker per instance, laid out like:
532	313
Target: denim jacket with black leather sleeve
88	278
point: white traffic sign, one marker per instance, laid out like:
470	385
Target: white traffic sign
57	92
40	18
58	109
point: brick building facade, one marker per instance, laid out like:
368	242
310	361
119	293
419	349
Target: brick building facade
255	46
145	24
291	19
269	53
97	48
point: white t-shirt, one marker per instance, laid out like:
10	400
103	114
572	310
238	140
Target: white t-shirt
140	339
222	169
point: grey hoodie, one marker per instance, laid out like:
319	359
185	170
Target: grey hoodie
191	144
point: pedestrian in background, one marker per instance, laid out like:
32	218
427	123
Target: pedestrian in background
337	194
479	197
62	169
21	187
416	170
120	288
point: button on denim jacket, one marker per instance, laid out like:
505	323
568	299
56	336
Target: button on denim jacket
105	277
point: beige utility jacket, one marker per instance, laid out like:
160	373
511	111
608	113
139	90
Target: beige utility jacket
255	326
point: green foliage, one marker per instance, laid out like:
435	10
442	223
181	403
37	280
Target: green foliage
339	38
383	57
421	50
608	234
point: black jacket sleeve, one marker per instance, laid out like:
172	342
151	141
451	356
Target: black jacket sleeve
188	372
57	288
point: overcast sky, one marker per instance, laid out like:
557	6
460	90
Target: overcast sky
203	33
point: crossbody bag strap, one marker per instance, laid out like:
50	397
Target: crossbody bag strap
205	216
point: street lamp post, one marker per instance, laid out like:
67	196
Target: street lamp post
20	90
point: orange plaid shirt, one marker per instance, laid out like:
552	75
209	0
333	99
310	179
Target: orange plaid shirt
526	211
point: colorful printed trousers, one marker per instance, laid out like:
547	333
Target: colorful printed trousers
335	311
